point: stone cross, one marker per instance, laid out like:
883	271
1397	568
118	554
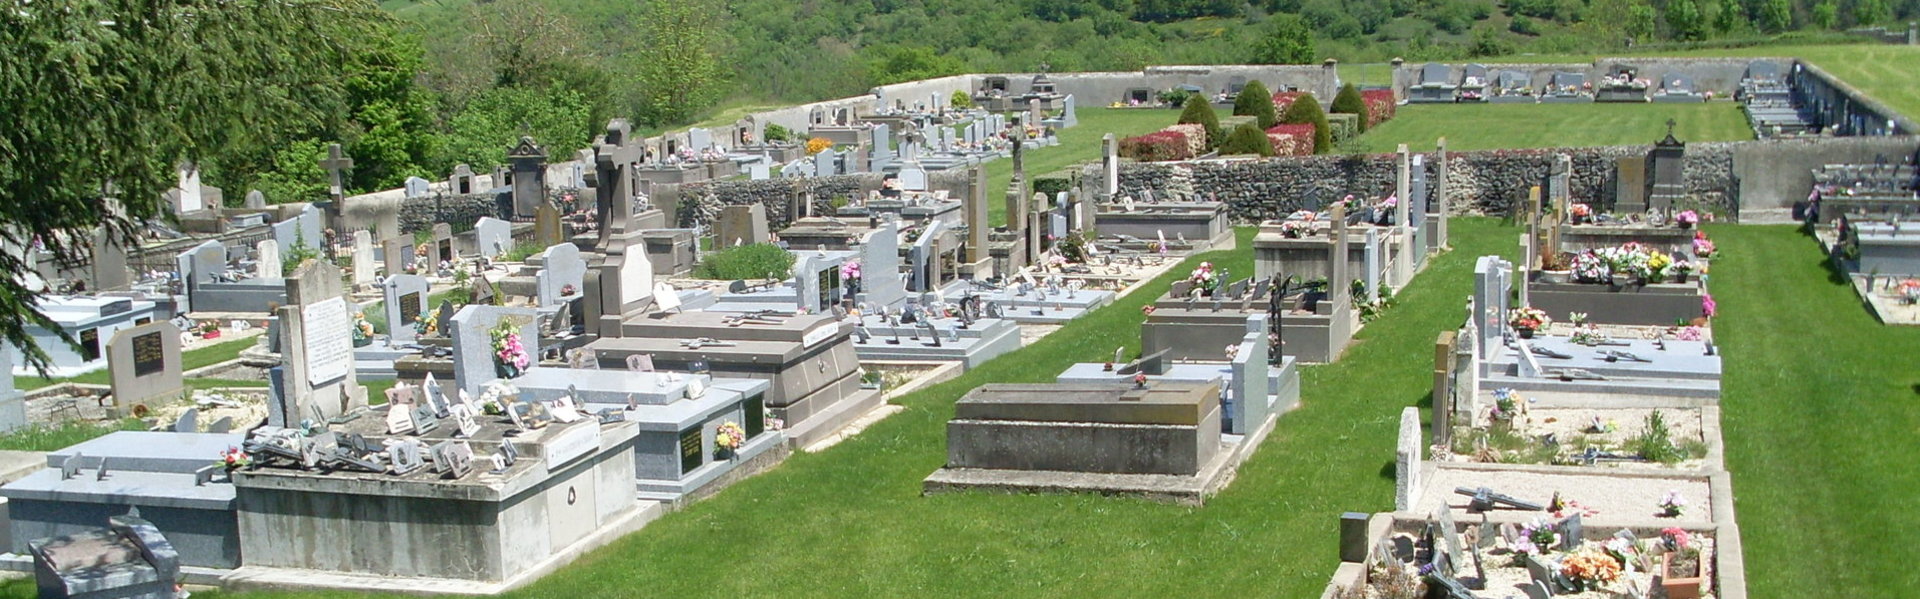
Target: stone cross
1440	193
335	164
614	155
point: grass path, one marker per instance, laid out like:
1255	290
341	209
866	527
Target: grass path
1820	420
1513	126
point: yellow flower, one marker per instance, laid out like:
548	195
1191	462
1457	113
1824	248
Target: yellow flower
817	145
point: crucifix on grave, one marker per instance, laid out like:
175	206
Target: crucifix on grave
614	156
336	163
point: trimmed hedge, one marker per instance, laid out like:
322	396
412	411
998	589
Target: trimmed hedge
1380	106
1247	139
1306	109
1156	146
1291	140
1254	100
1198	112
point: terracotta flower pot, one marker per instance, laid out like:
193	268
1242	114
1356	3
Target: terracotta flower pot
1683	588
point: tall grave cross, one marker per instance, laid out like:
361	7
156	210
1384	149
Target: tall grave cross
335	163
614	155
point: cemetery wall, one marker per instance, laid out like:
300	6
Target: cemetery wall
1760	176
1848	110
700	203
1103	88
1718	75
420	214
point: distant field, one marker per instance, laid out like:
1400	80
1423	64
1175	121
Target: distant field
1514	126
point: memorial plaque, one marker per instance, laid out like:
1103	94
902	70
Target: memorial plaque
329	340
754	411
692	447
409	309
149	354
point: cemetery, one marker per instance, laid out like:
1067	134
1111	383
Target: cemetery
464	386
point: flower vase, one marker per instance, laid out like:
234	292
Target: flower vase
1684	226
362	341
723	454
1523	332
506	371
1691	587
213	334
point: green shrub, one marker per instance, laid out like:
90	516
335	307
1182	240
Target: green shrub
961	100
753	261
1174	97
1306	110
775	132
1255	101
1247	139
1348	101
1052	183
1198	111
1655	443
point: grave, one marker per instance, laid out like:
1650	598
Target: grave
404	297
316	343
128	559
1678	88
1158	440
1513	87
492	237
474	357
741	224
1435	85
90	320
165	475
529	163
364	271
213	284
671	251
1270	384
1203	224
145	364
809	360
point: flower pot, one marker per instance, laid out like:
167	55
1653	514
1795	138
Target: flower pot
1686	225
723	454
214	334
1523	332
1556	276
362	341
506	371
1683	588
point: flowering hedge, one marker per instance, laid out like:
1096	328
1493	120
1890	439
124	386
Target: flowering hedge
1380	105
1157	146
1196	133
1281	100
1291	140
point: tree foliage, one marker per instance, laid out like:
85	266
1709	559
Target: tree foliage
559	119
1247	139
680	72
1287	40
1254	100
106	96
1776	15
1730	18
1685	21
1306	110
1348	101
1198	111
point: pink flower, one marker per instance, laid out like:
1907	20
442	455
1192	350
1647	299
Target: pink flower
1707	306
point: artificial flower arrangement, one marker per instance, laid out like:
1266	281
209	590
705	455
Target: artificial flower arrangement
496	394
1673	504
1233	351
362	330
1589	334
1631	260
1140	380
1295	229
1702	246
567	290
1590	567
1528	317
1581	212
425	325
1687	218
1506	405
209	330
1708	307
1147	310
233	459
1690	333
728	437
1536	538
509	354
1204	279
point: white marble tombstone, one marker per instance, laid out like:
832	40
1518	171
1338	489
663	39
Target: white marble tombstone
268	264
363	260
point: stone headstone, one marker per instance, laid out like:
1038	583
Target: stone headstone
443	243
417	187
474	362
741	224
396	255
144	363
317	344
561	269
363	260
826	163
1249	384
880	266
923	266
912	176
255	200
405	300
461	182
1109	167
493	237
529	166
1491	284
882	141
699	139
268	263
547	229
759	171
1407	457
1069	113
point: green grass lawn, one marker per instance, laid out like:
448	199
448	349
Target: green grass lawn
1819	415
850	521
1511	126
1077	144
198	358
